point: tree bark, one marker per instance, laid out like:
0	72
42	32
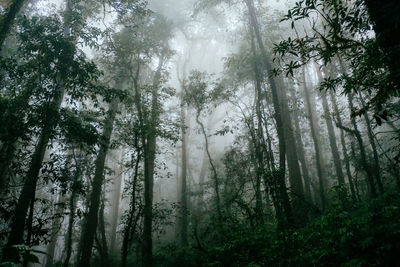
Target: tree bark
300	149
367	169
377	166
149	164
183	222
8	20
56	226
315	134
295	179
90	226
116	196
333	145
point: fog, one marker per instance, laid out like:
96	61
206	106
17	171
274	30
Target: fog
199	133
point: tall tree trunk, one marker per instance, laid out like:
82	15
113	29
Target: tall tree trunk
214	170
344	147
149	164
260	145
183	222
363	157
300	149
8	19
29	188
333	144
315	134
91	221
295	180
71	206
102	229
116	196
55	228
377	167
131	224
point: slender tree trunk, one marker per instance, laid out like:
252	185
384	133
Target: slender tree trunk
377	167
116	196
149	164
71	206
102	229
363	157
333	144
295	180
55	228
129	228
90	226
29	187
5	162
260	145
214	170
8	19
183	222
300	149
344	147
315	134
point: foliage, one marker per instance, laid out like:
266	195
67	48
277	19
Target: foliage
369	235
339	33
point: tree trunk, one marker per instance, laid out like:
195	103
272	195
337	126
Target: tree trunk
333	144
260	145
56	226
116	196
315	134
377	167
149	164
29	188
300	149
71	206
363	157
8	20
183	222
102	229
295	180
344	148
129	228
90	226
214	170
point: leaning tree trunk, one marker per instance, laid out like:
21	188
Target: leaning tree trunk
89	230
29	188
8	19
